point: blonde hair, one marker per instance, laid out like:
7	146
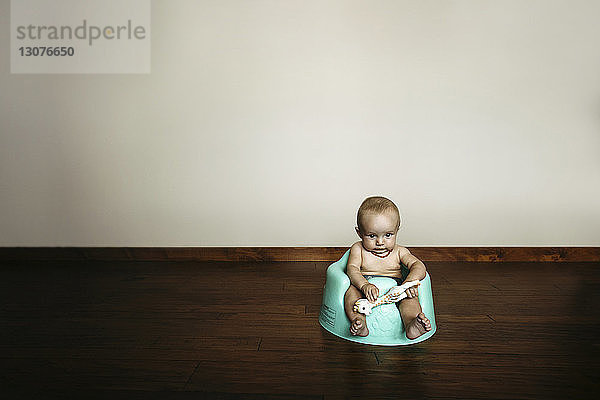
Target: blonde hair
376	205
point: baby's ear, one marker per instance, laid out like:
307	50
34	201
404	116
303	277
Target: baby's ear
358	232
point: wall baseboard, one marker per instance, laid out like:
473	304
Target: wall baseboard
330	254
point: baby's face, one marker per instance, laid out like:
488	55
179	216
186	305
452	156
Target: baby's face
379	233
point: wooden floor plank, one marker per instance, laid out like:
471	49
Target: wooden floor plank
222	330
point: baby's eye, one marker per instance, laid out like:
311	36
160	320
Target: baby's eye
372	236
388	235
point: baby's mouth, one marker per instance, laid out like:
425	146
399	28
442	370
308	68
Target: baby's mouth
380	252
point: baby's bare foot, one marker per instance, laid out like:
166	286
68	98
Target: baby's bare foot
359	327
418	326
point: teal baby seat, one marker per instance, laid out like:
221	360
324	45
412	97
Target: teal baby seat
384	323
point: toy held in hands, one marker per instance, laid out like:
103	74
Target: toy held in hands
393	295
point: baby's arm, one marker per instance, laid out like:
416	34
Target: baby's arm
415	267
357	279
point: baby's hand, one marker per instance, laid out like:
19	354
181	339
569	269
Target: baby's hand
370	291
412	292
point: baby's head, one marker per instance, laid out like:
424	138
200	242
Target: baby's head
378	220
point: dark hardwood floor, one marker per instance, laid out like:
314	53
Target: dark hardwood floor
126	329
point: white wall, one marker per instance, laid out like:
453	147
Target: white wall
266	123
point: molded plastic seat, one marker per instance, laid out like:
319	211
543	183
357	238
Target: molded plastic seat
384	323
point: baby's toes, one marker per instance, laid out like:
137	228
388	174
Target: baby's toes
356	325
424	321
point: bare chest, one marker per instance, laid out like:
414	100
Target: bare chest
374	265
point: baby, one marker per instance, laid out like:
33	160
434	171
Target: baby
377	254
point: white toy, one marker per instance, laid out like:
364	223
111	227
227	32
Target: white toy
393	295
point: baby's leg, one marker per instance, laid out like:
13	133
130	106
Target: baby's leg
358	322
415	322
